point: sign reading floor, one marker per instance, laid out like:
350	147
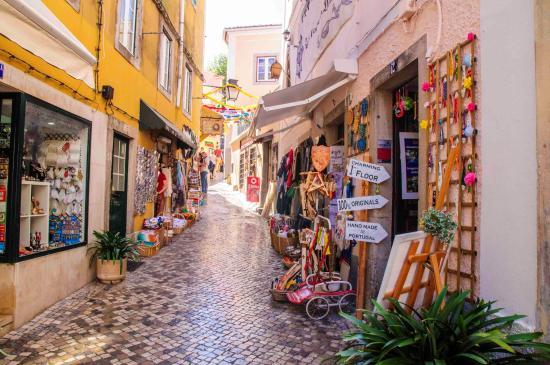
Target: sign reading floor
361	203
367	171
365	231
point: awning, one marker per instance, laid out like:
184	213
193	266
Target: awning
149	118
33	26
264	137
302	98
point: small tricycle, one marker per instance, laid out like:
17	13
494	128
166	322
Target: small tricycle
320	294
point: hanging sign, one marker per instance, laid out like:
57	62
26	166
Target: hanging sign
367	171
361	203
365	231
253	189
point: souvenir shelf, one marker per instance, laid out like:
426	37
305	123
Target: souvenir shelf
31	221
452	115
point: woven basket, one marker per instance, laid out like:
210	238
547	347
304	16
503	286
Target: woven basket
148	251
279	295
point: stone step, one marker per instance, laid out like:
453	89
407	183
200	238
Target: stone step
6	324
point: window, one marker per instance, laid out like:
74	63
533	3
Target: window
263	66
5	152
188	90
127	24
118	179
54	180
165	60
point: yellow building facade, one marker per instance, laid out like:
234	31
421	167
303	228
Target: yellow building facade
126	70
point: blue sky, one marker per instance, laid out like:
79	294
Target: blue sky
230	13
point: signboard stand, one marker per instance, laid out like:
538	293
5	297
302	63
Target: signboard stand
363	253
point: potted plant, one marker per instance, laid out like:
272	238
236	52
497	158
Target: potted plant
452	333
111	252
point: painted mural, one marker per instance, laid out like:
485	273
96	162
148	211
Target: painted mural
320	22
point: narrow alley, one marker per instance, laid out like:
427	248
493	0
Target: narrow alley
201	300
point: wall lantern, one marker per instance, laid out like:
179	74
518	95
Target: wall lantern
286	35
231	90
276	70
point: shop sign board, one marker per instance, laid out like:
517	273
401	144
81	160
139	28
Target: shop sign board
361	203
253	189
365	232
367	171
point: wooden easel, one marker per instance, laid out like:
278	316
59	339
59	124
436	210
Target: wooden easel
427	255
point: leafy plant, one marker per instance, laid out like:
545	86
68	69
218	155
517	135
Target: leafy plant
218	66
443	334
439	224
113	247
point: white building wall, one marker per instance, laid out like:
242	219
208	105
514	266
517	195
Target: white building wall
508	249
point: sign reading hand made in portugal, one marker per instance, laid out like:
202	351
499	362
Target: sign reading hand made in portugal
367	171
361	203
365	231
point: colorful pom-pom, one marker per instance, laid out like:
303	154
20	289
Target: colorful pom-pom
470	179
424	123
427	104
471	107
467	82
471	36
426	86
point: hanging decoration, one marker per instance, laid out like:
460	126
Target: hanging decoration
358	120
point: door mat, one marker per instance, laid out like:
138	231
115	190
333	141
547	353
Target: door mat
133	265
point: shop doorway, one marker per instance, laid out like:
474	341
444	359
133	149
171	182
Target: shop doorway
405	157
119	185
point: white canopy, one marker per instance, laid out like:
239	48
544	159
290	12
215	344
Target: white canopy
302	98
33	26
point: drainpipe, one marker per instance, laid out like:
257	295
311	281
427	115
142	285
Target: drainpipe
180	53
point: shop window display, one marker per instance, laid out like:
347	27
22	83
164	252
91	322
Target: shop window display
53	180
5	149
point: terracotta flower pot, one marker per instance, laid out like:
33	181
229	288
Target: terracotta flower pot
108	271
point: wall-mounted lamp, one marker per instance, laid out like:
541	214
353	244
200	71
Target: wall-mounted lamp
286	35
276	69
231	92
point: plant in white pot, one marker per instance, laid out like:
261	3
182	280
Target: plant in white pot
110	252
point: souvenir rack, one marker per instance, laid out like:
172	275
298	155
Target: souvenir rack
452	114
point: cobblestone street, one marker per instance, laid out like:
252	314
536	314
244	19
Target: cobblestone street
203	299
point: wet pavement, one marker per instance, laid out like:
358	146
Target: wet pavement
203	299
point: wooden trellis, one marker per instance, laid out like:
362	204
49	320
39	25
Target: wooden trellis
452	114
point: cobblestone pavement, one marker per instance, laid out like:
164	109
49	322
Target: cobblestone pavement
202	300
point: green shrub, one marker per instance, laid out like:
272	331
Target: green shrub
451	334
439	224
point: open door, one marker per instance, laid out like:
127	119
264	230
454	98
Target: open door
405	158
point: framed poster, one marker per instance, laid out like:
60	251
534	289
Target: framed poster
409	154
